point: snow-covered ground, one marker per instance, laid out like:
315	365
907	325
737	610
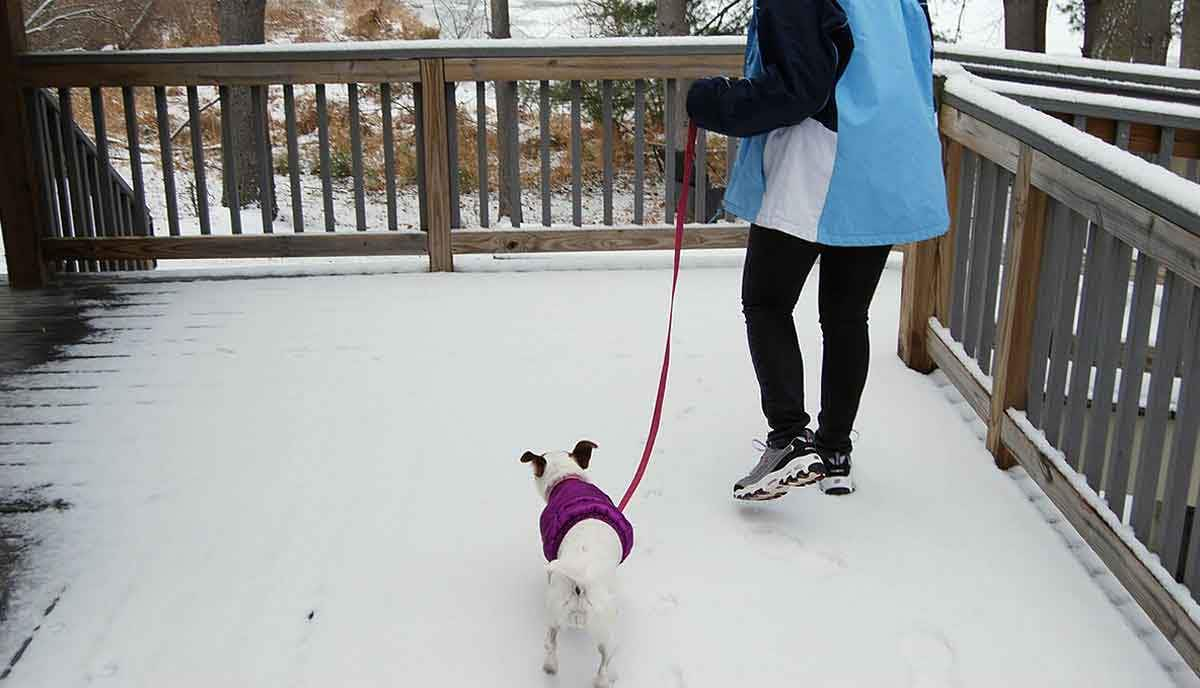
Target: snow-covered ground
315	481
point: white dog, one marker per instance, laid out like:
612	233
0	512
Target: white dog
584	538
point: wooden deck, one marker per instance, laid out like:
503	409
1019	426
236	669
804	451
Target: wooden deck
245	470
37	328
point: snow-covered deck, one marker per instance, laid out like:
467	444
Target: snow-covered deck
314	481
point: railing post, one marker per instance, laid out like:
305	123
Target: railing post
22	213
1018	313
917	301
928	268
945	281
437	164
925	288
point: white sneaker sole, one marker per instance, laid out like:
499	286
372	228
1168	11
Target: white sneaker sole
799	472
837	485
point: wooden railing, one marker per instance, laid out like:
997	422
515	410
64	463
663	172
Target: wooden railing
83	195
1065	305
356	96
382	78
1167	134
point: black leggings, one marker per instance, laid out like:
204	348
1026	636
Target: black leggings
777	266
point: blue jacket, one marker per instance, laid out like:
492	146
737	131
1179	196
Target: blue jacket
839	132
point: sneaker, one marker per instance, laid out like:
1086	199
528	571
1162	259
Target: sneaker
836	480
795	464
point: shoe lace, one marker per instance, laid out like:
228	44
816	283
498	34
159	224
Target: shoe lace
759	445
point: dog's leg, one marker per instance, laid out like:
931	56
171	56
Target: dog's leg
550	665
603	678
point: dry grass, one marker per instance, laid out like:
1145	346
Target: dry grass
374	20
300	21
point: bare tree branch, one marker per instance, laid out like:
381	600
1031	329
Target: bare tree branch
188	123
33	16
138	23
64	17
718	17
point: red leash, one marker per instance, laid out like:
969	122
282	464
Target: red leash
680	215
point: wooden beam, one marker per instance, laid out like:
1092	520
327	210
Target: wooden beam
628	238
614	67
23	215
1175	247
962	379
240	246
607	239
223	73
945	248
986	140
1159	604
437	164
1028	210
918	300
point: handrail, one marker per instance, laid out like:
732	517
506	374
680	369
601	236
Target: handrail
402	50
1154	188
1147	81
1181	85
394	61
1109	106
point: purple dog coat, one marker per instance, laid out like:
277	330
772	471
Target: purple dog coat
574	500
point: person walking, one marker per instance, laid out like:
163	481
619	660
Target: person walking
839	160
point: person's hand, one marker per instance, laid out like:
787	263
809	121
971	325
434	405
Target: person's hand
704	95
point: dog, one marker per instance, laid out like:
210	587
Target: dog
584	538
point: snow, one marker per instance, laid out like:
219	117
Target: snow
314	481
1102	100
957	349
1057	59
1089	84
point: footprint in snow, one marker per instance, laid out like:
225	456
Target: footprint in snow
678	675
667	602
932	661
781	545
107	671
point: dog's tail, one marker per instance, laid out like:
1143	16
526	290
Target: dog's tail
587	597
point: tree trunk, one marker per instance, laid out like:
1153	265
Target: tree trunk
241	22
1153	33
1025	25
1190	55
508	142
1109	27
671	20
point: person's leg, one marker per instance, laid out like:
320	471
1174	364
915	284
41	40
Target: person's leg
777	265
849	277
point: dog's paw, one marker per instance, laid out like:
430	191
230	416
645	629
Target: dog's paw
550	667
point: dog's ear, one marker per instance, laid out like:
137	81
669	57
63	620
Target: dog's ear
539	462
582	453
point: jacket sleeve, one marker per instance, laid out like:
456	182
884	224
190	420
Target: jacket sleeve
800	69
